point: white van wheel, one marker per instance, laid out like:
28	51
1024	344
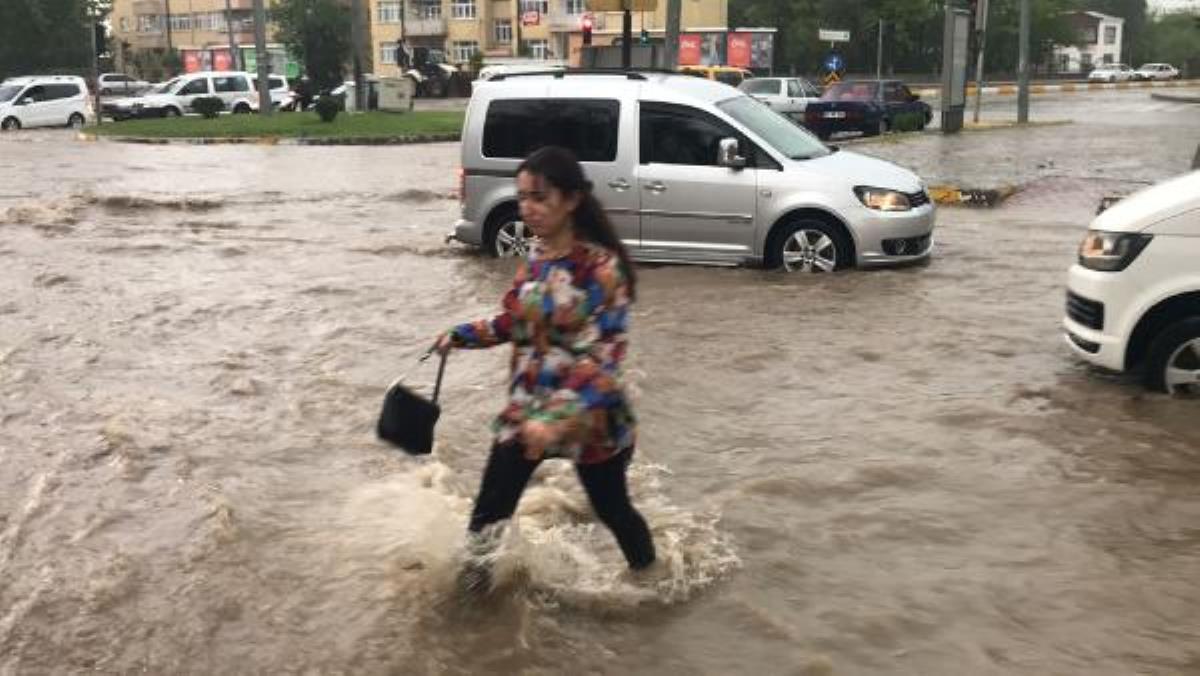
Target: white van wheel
75	121
10	124
171	111
1173	363
241	109
809	246
512	239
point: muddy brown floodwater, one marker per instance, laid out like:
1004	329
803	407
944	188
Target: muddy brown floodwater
886	472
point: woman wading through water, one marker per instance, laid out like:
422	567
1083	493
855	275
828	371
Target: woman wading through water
566	315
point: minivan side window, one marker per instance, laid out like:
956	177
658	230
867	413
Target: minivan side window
61	91
233	83
673	135
36	93
514	128
197	86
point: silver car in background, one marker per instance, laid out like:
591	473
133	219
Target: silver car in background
689	171
786	95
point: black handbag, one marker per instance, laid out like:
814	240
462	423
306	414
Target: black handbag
408	418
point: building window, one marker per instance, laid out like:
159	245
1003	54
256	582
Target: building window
181	22
538	49
576	7
461	52
540	6
149	23
427	10
503	31
1085	60
462	9
213	21
1110	35
1108	58
124	24
388	52
389	12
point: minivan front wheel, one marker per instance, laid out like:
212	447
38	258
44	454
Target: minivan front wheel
809	246
1173	362
10	124
507	236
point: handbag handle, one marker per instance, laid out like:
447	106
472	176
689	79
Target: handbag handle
437	385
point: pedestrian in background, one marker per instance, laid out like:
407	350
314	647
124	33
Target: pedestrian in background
566	316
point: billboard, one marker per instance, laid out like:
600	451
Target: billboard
689	49
743	49
739	50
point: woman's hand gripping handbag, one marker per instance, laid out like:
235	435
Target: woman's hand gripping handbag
408	419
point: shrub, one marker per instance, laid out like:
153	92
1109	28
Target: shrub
908	122
208	106
327	108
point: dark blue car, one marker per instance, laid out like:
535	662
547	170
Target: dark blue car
869	106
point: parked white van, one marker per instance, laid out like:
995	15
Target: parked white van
44	101
689	170
1133	299
175	97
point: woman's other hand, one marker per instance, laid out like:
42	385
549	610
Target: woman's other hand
444	344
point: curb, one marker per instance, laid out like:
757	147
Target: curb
1011	90
283	141
985	198
1174	98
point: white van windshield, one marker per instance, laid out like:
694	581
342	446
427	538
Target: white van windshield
165	87
782	134
9	92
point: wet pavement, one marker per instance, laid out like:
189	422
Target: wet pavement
894	472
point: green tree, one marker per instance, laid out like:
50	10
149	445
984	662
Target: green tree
317	32
38	36
1174	39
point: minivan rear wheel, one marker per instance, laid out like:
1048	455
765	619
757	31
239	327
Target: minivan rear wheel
809	245
506	235
1173	362
75	121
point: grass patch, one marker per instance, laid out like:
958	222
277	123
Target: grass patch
291	125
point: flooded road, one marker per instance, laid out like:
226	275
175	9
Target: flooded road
887	472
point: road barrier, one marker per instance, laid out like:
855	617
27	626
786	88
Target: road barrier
1010	89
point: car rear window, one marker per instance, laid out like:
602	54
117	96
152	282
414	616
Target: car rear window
851	91
516	127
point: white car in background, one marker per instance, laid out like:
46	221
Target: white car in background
787	95
1111	72
44	101
121	84
1133	299
1157	71
175	97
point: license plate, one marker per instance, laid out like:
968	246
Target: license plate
835	114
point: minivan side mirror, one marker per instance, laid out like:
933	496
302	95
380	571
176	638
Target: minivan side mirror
728	154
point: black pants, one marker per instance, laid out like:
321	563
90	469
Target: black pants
508	472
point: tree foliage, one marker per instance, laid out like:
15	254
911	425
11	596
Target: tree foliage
38	36
1173	39
317	32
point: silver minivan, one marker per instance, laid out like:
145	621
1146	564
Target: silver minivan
689	171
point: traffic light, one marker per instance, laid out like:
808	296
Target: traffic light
586	27
645	37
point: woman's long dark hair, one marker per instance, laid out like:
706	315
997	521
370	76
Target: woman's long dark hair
560	168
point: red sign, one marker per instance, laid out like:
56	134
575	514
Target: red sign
191	61
531	18
689	49
222	60
739	50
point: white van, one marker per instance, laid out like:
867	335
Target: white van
1133	299
176	96
689	170
44	101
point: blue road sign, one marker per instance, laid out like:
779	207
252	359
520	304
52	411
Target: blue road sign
834	63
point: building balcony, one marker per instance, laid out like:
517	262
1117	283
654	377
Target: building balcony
419	26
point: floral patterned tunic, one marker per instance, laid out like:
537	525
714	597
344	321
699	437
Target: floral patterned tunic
567	319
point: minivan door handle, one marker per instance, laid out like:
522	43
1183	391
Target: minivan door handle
620	184
656	187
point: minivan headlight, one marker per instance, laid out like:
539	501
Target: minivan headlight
1111	251
881	199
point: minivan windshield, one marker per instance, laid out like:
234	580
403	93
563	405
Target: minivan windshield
9	92
165	87
777	131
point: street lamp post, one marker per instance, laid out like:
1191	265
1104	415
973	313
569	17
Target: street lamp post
233	50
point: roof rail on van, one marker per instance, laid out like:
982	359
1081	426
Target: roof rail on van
558	74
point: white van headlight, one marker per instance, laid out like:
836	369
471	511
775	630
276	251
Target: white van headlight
881	199
1111	251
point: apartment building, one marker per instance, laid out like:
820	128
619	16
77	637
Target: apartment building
197	30
1100	42
514	29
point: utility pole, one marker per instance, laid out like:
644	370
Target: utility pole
981	12
879	54
95	66
1023	67
671	48
262	58
234	56
626	35
356	39
167	21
